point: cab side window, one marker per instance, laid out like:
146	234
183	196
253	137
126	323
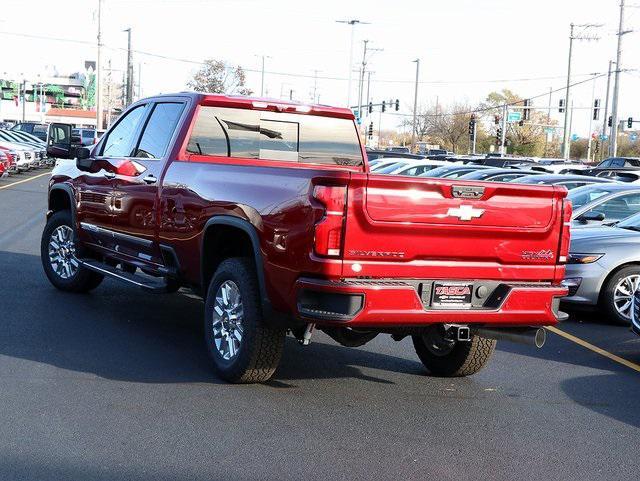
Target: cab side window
118	142
159	130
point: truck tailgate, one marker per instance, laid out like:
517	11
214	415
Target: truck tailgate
439	228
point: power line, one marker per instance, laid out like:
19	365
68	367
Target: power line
290	74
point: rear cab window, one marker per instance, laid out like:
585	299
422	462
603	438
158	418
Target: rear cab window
277	136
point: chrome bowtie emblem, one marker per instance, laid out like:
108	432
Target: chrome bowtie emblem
465	212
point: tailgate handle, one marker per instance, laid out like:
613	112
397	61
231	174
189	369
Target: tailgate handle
467	191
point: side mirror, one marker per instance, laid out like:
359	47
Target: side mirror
59	141
83	159
592	216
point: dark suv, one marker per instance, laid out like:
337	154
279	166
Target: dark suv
33	128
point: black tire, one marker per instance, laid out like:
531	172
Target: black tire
83	280
258	354
459	359
607	305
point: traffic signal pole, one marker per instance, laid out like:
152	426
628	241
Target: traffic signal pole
606	108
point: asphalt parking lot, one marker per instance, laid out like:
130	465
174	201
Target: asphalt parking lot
117	385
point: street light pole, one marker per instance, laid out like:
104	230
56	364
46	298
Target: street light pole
353	24
415	106
613	141
565	134
262	77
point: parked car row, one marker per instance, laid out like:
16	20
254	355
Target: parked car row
603	270
22	151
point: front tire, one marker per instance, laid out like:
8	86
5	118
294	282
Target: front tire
618	293
452	358
58	251
242	346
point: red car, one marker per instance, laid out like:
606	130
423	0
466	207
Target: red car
4	164
9	158
268	210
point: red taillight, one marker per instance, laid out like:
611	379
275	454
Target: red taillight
565	236
328	232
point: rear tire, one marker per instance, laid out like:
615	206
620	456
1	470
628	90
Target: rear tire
242	346
58	251
615	301
452	358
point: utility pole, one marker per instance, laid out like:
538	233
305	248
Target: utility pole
613	141
415	106
353	24
570	126
606	110
98	84
361	73
129	96
572	36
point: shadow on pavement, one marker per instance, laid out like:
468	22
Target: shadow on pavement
123	333
613	397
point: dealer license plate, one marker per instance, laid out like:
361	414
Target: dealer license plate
452	295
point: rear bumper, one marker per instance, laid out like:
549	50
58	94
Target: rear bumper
395	303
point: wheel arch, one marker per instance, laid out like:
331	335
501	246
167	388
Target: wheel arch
221	227
61	197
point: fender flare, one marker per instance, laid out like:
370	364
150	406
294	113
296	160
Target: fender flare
69	192
251	231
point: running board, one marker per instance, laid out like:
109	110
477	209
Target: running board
155	284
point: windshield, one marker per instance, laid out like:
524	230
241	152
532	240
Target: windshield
586	194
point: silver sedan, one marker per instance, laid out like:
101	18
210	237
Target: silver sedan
603	271
598	204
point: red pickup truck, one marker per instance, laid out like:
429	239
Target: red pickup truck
268	210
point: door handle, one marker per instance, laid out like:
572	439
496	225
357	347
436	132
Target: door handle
150	179
110	175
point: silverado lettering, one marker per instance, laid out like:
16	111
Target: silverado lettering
269	212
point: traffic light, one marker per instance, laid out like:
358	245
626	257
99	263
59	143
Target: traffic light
384	106
370	130
397	105
496	119
499	136
370	107
630	122
472	126
521	123
596	109
561	106
610	121
526	113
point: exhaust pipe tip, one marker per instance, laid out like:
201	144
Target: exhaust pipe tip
540	337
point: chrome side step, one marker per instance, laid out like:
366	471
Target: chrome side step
155	284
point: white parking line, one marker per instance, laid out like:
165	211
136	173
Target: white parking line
596	349
23	181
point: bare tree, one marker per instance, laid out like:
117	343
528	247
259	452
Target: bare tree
217	77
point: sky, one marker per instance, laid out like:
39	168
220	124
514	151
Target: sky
466	48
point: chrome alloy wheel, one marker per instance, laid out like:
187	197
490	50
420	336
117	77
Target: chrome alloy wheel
227	320
62	252
623	294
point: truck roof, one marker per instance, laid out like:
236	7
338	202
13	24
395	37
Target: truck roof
262	103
